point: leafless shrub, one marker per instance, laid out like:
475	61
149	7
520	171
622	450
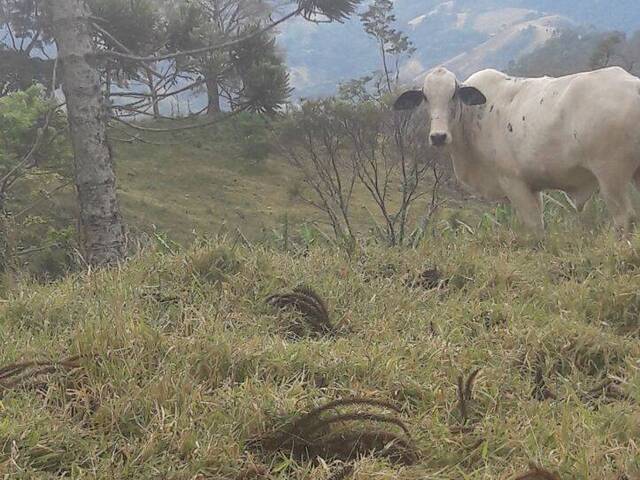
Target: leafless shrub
314	143
342	144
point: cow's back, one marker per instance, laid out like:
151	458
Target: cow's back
547	130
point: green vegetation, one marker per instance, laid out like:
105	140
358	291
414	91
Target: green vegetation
35	160
185	362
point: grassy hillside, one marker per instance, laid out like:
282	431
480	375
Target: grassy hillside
199	181
205	181
184	365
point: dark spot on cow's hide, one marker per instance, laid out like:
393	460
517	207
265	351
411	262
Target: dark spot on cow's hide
510	128
491	109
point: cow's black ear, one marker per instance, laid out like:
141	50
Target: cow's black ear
471	95
408	100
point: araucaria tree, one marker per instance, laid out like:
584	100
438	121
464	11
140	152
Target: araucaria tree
91	51
102	229
223	73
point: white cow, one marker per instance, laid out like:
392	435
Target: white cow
515	137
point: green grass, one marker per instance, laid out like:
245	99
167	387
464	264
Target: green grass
201	182
191	363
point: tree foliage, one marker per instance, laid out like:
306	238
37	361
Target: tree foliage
24	39
22	121
134	24
249	75
331	10
34	156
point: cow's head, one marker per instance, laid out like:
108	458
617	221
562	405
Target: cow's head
444	97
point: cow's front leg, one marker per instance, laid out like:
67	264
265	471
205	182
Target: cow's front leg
528	205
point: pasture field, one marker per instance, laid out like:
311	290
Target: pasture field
185	371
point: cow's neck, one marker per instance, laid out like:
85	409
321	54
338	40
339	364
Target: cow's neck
468	165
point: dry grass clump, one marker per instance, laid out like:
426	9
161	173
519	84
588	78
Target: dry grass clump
537	473
329	434
310	305
213	265
429	279
23	374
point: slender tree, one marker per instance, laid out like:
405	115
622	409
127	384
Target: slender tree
378	23
101	225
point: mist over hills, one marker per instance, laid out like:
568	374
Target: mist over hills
465	35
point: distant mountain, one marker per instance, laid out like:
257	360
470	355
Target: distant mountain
465	35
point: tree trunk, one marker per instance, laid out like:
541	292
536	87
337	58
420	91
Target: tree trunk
154	94
213	95
101	227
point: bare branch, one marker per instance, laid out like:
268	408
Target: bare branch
184	127
46	196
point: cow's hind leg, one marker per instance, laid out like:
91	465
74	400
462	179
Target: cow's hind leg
527	203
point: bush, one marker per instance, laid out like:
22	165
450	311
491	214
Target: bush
35	158
22	114
252	137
